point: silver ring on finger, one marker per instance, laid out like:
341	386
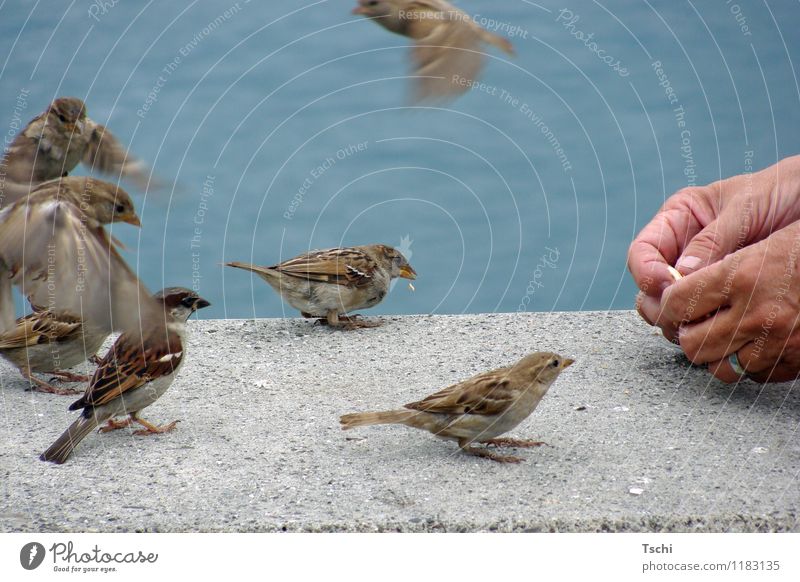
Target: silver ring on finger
733	360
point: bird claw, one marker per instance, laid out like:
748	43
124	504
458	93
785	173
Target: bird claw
492	456
514	443
150	429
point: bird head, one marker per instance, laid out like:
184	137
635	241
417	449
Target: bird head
399	265
180	301
70	113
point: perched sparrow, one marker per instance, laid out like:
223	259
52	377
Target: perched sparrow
447	55
49	342
134	373
56	141
53	245
478	409
332	282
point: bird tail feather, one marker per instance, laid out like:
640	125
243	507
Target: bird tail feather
406	417
60	450
263	271
500	42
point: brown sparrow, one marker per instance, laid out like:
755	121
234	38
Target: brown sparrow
53	245
56	141
330	283
134	373
478	409
448	43
50	342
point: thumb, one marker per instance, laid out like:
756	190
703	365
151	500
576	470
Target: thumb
717	240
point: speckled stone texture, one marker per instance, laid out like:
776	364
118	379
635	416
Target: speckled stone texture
639	439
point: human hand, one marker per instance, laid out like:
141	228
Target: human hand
747	303
699	226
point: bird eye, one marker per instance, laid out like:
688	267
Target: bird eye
62	118
554	363
373	3
120	208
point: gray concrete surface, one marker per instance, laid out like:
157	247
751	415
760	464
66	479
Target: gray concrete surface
640	440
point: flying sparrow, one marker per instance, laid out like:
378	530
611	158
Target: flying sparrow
56	141
479	409
135	372
53	245
448	43
50	342
330	283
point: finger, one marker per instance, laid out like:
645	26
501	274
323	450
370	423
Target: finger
697	295
751	359
650	310
781	372
713	338
724	235
657	246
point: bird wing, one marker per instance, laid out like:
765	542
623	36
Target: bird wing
38	328
346	266
133	362
19	164
446	57
62	262
107	155
486	394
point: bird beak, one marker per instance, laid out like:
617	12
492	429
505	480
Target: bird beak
131	219
567	362
200	303
406	272
360	10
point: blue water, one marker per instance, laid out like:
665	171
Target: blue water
284	126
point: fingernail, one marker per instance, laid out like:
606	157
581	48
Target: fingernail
691	263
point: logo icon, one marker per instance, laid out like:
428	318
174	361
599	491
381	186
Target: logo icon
31	555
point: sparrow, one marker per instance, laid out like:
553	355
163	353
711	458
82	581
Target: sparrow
479	409
330	283
447	55
53	245
49	342
56	141
135	372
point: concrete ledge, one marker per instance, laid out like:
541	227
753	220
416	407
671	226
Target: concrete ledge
641	441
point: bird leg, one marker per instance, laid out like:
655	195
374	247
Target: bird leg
70	377
38	385
514	443
151	428
116	424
